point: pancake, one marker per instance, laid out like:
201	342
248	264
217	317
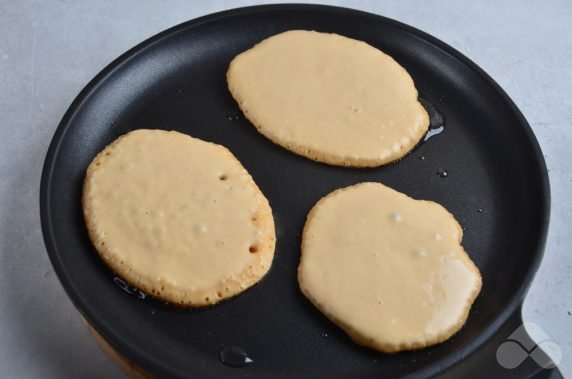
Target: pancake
388	269
178	217
330	98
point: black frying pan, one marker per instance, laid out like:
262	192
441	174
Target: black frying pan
497	187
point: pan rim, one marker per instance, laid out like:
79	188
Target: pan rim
147	362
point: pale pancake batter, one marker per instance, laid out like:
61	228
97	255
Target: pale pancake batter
388	269
178	217
330	98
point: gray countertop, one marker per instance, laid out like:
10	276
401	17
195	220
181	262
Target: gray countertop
50	50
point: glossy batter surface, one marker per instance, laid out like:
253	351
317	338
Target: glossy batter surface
328	97
388	269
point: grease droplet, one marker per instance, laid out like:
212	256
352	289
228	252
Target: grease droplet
480	210
129	289
436	118
442	173
234	356
433	132
324	335
232	116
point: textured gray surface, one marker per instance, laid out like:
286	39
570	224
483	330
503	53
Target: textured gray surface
50	50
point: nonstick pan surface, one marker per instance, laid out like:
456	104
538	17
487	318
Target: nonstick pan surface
496	186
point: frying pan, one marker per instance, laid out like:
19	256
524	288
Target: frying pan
497	187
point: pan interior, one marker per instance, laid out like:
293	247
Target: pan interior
495	186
